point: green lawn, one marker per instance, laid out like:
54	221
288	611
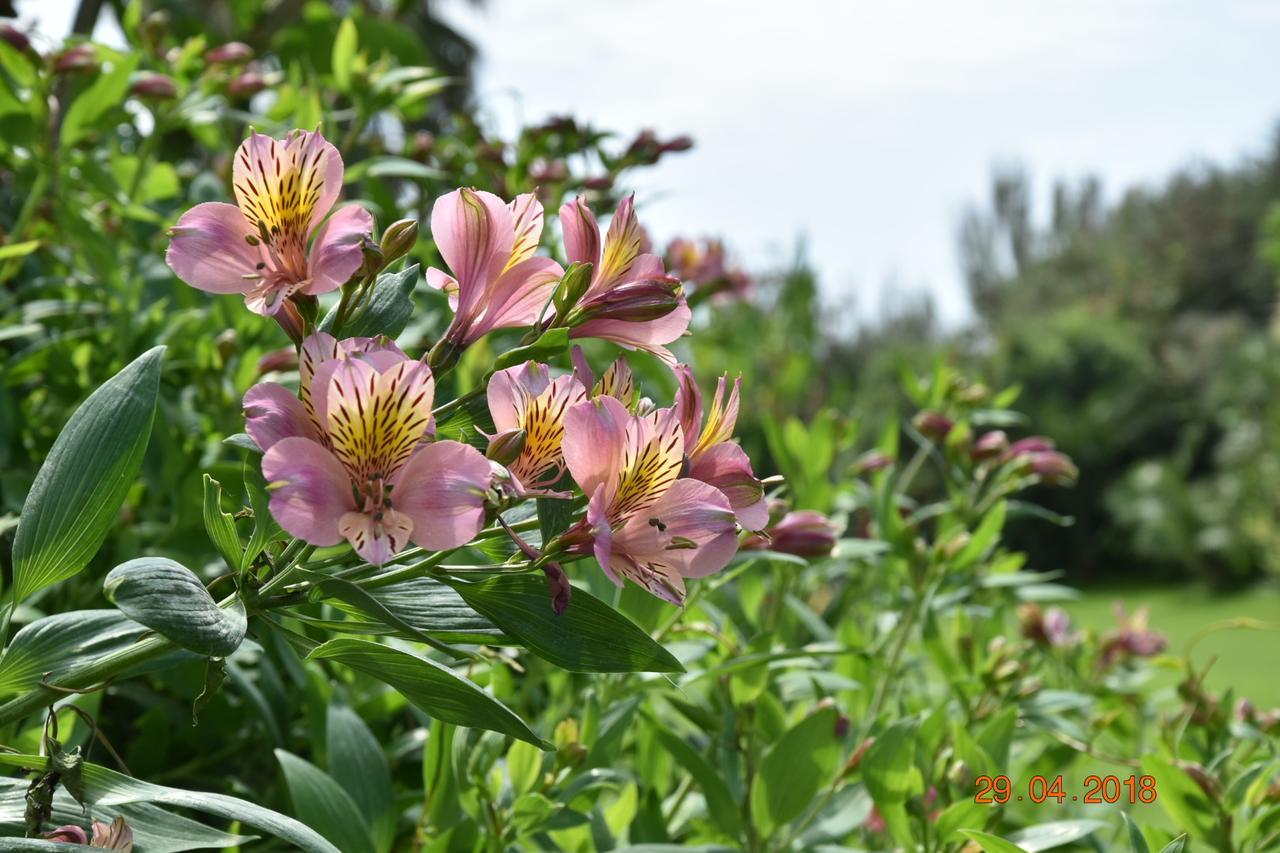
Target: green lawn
1248	660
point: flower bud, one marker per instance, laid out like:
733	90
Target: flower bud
505	447
399	239
1026	446
548	171
871	461
1054	468
634	302
154	87
246	84
804	533
374	260
231	52
76	59
15	37
70	834
559	586
989	444
680	143
1245	711
285	358
931	424
602	182
574	283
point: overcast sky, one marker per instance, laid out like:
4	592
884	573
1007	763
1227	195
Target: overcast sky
867	128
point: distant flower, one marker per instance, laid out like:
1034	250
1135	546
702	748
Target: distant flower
714	457
231	52
495	281
933	425
705	264
1050	627
114	836
1027	446
154	87
273	244
246	84
348	459
1053	467
527	399
617	380
804	533
643	521
1132	638
631	300
76	58
990	444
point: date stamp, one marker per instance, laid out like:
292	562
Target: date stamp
998	790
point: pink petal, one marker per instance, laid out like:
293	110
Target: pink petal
266	296
648	336
691	511
305	160
376	540
621	248
595	439
518	296
337	251
526	213
447	284
273	413
310	490
208	250
581	233
582	368
602	543
727	467
510	391
442	490
475	234
688	405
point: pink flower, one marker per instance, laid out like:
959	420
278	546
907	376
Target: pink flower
631	300
273	245
643	521
714	458
497	281
114	836
70	834
337	457
1132	638
527	398
617	380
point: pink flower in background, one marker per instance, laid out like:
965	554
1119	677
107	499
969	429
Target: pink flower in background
804	533
643	521
1132	638
273	244
617	380
348	460
527	398
631	300
714	458
705	264
497	282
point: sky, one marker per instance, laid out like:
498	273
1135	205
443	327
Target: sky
866	129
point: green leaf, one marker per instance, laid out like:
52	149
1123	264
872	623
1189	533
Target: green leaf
552	343
358	765
107	91
265	528
169	599
720	802
344	53
997	735
554	517
889	772
79	489
50	647
18	250
388	166
983	539
431	687
427	606
990	843
1046	836
105	787
524	766
590	636
220	526
322	805
1137	844
795	769
385	309
1176	845
1182	798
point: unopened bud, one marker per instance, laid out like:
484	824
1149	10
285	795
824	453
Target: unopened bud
990	444
956	544
804	533
231	52
15	37
574	283
374	260
80	58
1054	468
246	84
154	87
856	758
560	588
872	460
505	447
399	239
1027	446
931	424
70	834
634	302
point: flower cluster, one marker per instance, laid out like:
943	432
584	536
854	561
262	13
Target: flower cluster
353	453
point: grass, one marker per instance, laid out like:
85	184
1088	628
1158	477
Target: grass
1246	659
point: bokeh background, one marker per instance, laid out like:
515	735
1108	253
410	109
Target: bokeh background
1082	199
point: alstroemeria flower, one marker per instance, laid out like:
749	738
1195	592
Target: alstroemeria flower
497	281
527	398
349	459
272	244
643	521
617	380
714	457
628	290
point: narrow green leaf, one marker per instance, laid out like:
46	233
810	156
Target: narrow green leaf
983	539
321	804
428	607
359	766
107	91
590	636
720	803
524	766
385	310
435	689
1137	843
79	489
1182	798
50	647
169	599
344	53
795	769
220	526
552	343
265	528
105	787
991	843
18	250
1176	845
1058	833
